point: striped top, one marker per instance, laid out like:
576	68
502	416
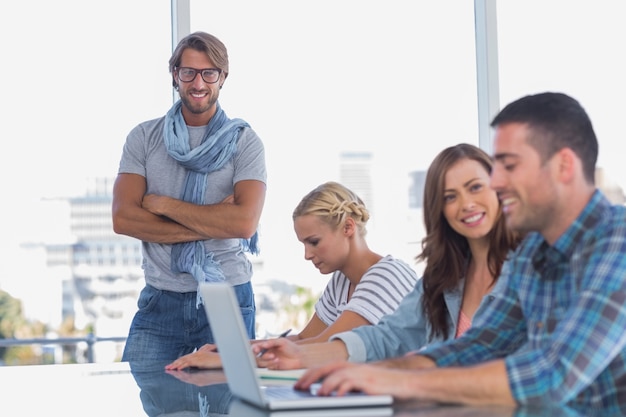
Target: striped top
378	293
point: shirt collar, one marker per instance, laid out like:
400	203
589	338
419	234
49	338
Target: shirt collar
565	245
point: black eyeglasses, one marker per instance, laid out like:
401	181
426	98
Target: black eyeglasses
209	75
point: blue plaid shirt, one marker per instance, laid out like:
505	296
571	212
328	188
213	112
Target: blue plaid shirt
561	322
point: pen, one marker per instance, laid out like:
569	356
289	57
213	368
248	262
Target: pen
283	334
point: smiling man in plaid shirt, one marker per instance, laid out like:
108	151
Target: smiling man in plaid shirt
557	335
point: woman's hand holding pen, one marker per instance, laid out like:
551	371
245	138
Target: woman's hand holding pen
283	334
280	353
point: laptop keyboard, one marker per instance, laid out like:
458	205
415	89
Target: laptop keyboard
285	392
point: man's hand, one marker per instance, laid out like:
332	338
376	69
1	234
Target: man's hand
342	377
155	204
482	384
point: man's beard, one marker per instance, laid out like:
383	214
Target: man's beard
197	108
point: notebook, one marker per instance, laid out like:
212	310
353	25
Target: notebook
288	377
240	367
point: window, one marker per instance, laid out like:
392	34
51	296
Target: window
325	79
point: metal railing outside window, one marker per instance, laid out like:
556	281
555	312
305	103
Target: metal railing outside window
89	339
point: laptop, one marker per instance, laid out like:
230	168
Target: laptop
239	408
240	367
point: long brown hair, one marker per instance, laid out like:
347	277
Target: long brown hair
446	252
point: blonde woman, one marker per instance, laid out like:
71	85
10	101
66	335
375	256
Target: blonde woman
330	221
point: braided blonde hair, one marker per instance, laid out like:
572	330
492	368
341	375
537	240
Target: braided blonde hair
333	202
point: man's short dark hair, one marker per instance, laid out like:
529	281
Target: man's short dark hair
556	121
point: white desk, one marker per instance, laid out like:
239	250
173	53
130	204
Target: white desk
112	390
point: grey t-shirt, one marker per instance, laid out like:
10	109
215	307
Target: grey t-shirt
145	154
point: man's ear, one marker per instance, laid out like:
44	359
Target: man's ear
568	165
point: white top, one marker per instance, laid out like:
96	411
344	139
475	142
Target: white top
378	293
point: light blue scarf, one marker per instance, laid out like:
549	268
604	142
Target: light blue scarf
217	148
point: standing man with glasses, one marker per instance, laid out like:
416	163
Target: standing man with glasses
191	186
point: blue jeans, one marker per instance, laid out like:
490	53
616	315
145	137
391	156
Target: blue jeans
168	324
